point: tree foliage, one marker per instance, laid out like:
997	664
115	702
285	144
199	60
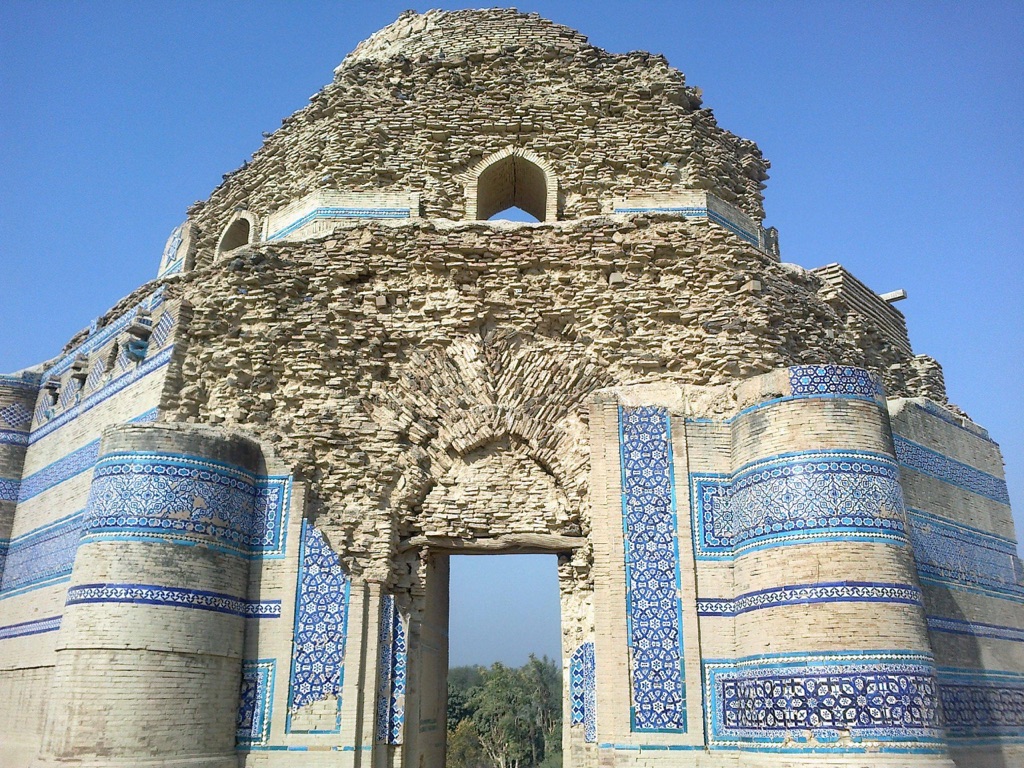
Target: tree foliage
503	717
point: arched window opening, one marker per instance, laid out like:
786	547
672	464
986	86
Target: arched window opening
512	181
514	214
235	236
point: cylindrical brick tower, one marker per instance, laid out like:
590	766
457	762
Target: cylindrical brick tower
151	646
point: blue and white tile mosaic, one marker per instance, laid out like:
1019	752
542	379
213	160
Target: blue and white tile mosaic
652	570
321	616
784	701
833	380
982	704
9	489
975	629
583	691
26	628
394	663
819	495
13	437
965	558
695	212
803	594
934	464
340	213
254	703
173	597
70	465
162	330
166	497
42	557
16	415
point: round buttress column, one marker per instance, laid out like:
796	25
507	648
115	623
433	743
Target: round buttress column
149	665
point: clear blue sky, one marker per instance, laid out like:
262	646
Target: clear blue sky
894	131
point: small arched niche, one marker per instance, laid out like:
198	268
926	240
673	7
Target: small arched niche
237	233
512	178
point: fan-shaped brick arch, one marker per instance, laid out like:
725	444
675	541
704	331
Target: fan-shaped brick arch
512	177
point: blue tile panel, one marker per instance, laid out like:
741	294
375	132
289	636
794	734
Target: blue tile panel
975	629
173	597
321	616
9	489
26	381
804	594
982	704
394	663
16	415
654	610
190	501
833	380
696	212
70	465
953	555
934	464
340	213
169	265
795	498
133	375
26	628
789	702
583	691
42	557
255	700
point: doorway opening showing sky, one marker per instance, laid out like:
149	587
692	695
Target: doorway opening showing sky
514	214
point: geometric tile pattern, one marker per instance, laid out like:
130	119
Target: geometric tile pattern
64	468
583	691
652	571
821	495
694	212
170	263
16	415
781	701
9	489
254	703
162	330
979	704
318	656
340	213
13	437
174	597
963	557
166	497
43	556
836	592
34	627
393	668
833	380
941	467
975	629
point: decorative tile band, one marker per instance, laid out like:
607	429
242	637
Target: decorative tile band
975	629
834	592
70	465
393	667
583	691
9	489
695	212
133	375
255	700
186	500
934	464
962	557
833	380
42	557
13	437
654	626
340	213
806	701
34	627
792	499
982	704
173	597
321	623
16	415
28	381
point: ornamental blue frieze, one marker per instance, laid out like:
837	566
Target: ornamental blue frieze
394	653
583	691
833	380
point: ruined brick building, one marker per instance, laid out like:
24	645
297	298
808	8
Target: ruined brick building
227	508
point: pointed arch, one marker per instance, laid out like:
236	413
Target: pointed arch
511	177
240	231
